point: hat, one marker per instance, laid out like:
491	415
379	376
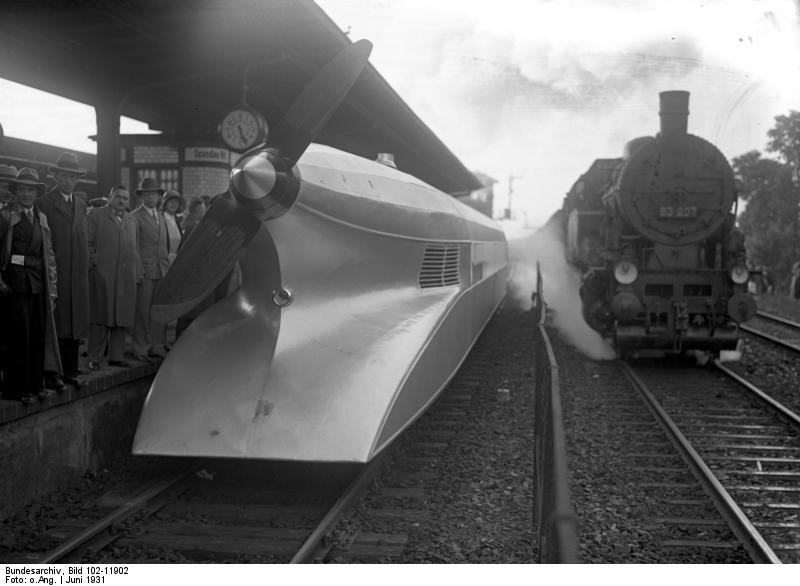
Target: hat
149	184
27	176
68	162
8	172
172	194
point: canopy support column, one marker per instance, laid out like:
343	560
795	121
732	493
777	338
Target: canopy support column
107	115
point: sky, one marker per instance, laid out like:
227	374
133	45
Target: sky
538	89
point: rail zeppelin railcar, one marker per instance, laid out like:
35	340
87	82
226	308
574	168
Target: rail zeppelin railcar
664	266
356	308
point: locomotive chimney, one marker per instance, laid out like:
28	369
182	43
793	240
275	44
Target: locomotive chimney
674	112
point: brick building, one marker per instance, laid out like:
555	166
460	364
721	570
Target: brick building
190	165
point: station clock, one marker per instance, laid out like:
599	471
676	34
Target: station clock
243	128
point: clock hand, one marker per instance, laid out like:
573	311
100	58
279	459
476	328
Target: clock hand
241	133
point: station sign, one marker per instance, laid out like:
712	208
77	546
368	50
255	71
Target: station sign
206	155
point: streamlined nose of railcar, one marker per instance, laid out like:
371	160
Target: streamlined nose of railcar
208	389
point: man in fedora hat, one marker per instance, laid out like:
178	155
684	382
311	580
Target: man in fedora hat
149	335
7	174
67	217
28	283
116	270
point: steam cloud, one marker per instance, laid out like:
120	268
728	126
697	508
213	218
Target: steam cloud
561	282
539	89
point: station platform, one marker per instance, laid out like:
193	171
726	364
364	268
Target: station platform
94	382
53	442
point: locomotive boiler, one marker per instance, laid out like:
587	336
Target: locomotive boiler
654	234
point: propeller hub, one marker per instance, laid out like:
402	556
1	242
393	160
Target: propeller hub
253	177
265	184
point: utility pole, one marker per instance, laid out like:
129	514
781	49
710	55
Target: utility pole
510	191
511	178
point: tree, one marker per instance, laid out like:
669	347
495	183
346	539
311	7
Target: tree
770	220
771	190
784	140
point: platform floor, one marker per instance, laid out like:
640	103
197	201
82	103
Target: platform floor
94	382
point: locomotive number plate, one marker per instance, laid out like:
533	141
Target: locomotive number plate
677	212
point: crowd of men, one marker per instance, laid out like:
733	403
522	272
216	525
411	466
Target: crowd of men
71	272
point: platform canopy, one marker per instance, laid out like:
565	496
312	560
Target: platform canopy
180	65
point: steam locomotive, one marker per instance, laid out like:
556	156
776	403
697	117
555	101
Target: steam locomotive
654	235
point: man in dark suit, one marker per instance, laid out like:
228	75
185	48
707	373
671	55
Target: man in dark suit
66	215
27	283
149	335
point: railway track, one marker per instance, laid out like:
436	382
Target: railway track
268	512
219	511
778	330
741	445
278	513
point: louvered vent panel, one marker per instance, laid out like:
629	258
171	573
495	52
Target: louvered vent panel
439	267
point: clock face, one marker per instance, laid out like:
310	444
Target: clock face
242	129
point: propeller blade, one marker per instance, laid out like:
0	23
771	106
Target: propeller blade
318	101
207	256
216	243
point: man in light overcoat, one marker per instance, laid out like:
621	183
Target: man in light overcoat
116	269
149	335
66	215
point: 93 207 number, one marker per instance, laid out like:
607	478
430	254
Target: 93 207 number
677	212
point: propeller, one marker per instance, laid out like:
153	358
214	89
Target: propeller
264	185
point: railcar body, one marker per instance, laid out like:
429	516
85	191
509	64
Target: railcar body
654	234
383	285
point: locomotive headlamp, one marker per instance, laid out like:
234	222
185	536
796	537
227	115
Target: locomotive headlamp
740	275
625	272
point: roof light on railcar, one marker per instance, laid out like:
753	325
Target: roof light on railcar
740	275
625	272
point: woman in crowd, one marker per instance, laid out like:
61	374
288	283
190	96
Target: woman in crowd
173	208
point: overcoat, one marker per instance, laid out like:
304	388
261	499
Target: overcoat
8	219
70	244
152	242
116	267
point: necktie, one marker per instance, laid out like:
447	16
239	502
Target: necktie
155	216
29	214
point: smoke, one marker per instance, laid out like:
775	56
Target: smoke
561	282
540	89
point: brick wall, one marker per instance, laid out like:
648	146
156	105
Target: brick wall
125	178
199	181
155	155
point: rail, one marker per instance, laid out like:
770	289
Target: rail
737	520
553	512
788	345
130	507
